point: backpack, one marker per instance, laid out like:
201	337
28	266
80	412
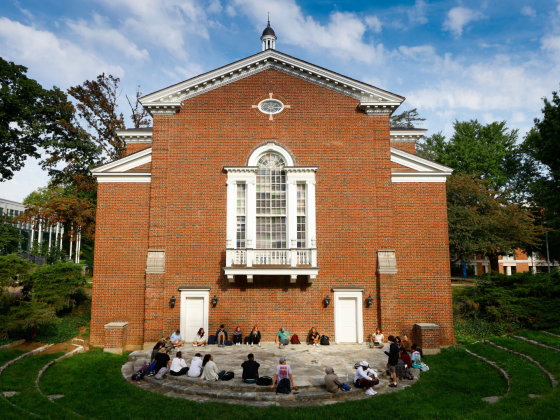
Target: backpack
264	381
138	375
284	386
211	340
229	343
228	376
325	340
295	339
345	387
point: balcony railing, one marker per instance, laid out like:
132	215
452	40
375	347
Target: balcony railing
273	257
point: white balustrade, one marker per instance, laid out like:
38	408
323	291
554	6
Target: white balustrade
304	257
272	257
239	257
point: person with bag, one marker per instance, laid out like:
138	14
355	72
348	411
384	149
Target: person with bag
221	336
237	337
376	339
283	337
366	378
210	370
178	365
254	337
332	382
250	370
393	360
163	362
155	351
196	366
314	337
405	357
199	340
284	375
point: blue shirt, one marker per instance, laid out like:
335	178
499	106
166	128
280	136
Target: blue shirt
175	337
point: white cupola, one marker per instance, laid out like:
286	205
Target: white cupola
268	38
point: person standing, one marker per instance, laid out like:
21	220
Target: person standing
210	370
178	365
366	378
177	339
332	382
254	337
250	370
237	336
393	360
196	366
283	371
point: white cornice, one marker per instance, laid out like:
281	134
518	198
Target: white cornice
126	163
135	136
308	169
378	107
407	135
417	163
162	108
419	176
123	177
241	169
271	59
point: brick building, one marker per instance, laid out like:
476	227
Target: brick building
264	187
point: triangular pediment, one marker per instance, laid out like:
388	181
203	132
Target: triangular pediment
170	98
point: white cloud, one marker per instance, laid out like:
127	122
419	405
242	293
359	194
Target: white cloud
373	23
214	7
418	53
230	11
458	17
342	35
99	32
57	61
528	11
417	13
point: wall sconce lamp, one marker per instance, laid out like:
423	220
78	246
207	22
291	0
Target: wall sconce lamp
214	301
172	302
369	301
327	301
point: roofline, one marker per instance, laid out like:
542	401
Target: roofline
119	159
421	160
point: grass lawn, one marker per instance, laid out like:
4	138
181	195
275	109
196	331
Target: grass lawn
543	338
7	355
555	331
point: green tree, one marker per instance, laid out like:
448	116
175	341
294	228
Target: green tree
490	151
483	220
13	270
9	235
21	118
28	314
56	284
406	119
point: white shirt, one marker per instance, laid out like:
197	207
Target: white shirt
210	372
199	338
177	364
361	373
196	367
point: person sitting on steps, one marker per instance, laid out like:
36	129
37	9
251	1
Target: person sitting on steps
406	344
210	370
314	337
250	370
377	338
283	337
221	336
178	365
199	341
283	371
177	340
163	362
366	378
332	382
155	351
196	366
254	337
237	337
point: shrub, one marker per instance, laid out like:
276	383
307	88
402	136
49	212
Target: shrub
56	284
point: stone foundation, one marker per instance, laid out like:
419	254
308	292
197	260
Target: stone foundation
115	337
428	337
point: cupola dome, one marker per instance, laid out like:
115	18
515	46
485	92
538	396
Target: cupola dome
268	37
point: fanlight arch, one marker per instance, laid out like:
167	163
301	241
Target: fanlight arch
271	147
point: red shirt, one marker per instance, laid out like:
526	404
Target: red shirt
406	359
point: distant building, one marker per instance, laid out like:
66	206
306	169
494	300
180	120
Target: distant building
517	261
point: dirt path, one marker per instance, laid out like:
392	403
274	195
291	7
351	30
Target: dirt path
60	347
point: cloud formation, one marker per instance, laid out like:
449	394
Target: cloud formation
458	17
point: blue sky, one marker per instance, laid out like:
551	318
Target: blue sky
485	60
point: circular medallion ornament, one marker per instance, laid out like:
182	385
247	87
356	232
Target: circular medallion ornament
271	106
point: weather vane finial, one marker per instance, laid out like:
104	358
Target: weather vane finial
268	19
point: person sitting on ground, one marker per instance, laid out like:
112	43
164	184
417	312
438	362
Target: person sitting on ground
250	370
283	371
332	383
196	366
177	339
254	337
377	339
398	341
199	341
163	362
405	357
403	366
155	351
393	360
178	365
406	344
210	370
221	336
283	337
167	343
314	337
366	378
237	336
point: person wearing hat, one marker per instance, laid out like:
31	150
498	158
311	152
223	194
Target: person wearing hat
196	366
366	378
332	383
283	371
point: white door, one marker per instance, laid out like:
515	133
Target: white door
347	320
194	318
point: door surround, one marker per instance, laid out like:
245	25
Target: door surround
352	293
194	292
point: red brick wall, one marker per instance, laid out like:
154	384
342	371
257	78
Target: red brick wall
136	147
421	242
121	245
407	146
354	199
115	338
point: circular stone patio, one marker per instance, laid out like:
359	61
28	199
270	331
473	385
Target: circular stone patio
308	367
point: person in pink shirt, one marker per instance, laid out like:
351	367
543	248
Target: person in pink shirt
283	371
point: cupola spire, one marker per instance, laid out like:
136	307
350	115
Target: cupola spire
268	37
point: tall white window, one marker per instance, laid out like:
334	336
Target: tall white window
271	202
241	215
301	212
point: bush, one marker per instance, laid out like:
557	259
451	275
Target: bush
457	270
501	303
55	284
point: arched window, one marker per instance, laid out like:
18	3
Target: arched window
271	202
